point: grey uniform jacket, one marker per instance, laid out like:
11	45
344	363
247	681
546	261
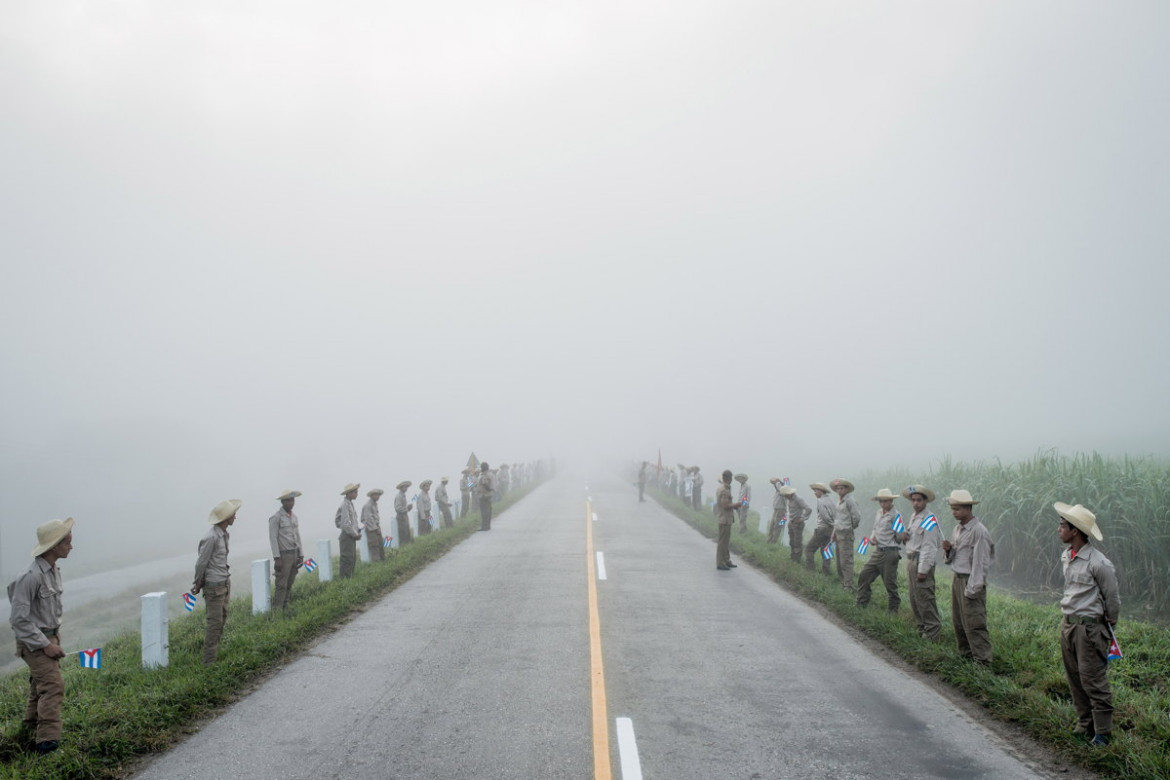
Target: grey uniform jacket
347	519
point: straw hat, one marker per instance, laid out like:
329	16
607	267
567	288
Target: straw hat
848	485
787	490
50	534
426	483
821	486
741	477
884	495
1080	517
289	494
403	485
962	498
223	510
375	492
923	489
444	479
351	486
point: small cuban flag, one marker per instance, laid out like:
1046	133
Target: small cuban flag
1114	647
786	481
310	564
386	542
91	659
827	551
863	548
782	522
929	523
898	526
189	601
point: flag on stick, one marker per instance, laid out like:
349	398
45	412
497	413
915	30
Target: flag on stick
929	523
310	564
1114	647
386	541
863	548
898	526
827	551
189	600
91	659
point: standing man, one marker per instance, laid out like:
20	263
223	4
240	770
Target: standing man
504	483
284	537
426	519
213	575
797	512
779	505
725	516
444	504
885	557
642	481
372	525
466	483
1091	606
697	488
847	517
484	488
351	530
35	617
745	500
402	509
969	552
922	539
823	533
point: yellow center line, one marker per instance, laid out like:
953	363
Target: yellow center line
601	763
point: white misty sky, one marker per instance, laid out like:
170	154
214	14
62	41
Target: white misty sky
250	246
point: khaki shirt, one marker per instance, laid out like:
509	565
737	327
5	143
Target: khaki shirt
400	503
826	511
212	563
745	493
846	515
35	599
797	510
485	486
1090	585
883	529
371	520
284	533
971	554
777	499
347	519
925	543
423	505
441	495
723	503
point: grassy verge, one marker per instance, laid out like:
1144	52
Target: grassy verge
1025	684
122	711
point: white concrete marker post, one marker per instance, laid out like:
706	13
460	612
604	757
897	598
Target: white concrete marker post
325	560
261	586
364	547
155	631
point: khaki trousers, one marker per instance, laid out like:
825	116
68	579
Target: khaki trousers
374	545
424	525
348	547
742	512
465	503
284	578
883	563
485	514
970	618
923	603
796	539
774	526
404	535
723	545
46	691
819	539
448	521
216	597
1085	650
845	550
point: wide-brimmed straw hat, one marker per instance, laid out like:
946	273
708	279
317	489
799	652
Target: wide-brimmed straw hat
289	494
1080	517
50	534
375	492
426	483
403	485
821	486
845	482
884	495
223	510
787	490
923	489
741	477
351	486
961	497
444	479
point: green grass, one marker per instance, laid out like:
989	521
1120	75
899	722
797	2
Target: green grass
123	712
1025	684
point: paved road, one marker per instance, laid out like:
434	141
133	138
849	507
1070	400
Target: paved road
479	668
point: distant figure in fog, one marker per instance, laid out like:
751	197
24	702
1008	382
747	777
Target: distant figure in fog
426	517
466	485
402	509
847	516
284	537
797	512
444	504
346	519
642	481
697	488
484	490
745	500
372	525
725	516
885	553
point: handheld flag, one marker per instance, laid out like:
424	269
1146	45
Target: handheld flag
91	659
310	564
386	541
783	521
786	481
827	551
189	600
1114	647
863	548
929	523
898	526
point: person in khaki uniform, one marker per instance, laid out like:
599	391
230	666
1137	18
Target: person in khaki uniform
745	500
725	516
845	520
797	512
346	520
426	518
884	554
484	490
696	488
779	508
284	537
402	509
1091	605
466	485
922	538
213	575
35	616
969	552
823	533
372	525
444	504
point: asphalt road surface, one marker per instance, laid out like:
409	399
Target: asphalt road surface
480	668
